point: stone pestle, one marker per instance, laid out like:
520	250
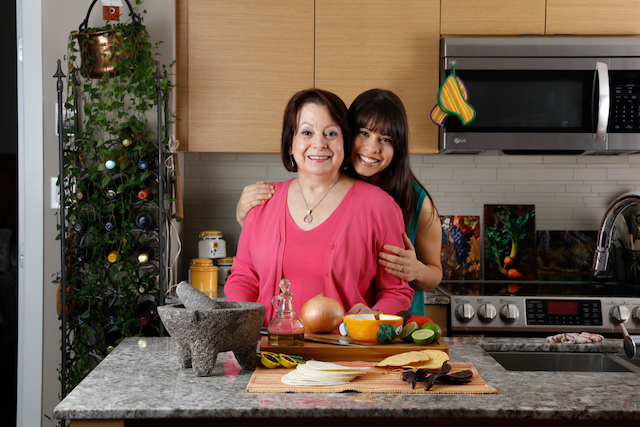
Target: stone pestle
193	299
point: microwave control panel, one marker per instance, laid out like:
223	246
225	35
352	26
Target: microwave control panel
625	108
624	114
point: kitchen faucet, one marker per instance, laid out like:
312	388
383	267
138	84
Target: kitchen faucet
601	258
604	242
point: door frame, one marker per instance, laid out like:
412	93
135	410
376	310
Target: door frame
30	212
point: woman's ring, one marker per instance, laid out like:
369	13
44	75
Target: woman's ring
400	271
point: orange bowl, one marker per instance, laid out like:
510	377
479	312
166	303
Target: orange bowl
365	327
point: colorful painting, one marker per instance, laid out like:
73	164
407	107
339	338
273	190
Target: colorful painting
509	242
565	255
461	255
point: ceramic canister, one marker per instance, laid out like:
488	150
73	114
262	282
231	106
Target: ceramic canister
203	275
224	269
212	245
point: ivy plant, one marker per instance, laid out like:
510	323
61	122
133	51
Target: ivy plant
103	179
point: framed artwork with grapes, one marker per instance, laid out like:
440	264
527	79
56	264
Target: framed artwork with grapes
461	255
509	242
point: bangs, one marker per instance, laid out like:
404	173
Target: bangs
380	118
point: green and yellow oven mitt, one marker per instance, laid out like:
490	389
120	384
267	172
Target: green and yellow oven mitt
452	100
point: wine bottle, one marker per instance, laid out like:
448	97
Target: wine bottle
146	310
146	306
148	276
149	185
86	217
146	215
113	216
127	137
82	249
117	156
149	157
146	247
85	188
111	337
116	184
112	266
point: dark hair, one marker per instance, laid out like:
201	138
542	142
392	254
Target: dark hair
382	111
337	111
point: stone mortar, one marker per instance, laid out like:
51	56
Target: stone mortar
201	334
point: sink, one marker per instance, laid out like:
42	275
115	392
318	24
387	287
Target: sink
556	361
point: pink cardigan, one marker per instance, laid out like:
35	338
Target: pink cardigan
371	220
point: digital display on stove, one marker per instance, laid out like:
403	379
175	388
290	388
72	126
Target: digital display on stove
585	312
567	308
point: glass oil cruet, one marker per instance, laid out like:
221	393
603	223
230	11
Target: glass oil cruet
285	329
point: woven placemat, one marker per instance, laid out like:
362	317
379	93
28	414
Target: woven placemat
265	380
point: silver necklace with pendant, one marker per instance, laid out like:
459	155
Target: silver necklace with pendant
308	218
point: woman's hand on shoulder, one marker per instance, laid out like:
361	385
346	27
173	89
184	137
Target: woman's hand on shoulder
402	263
253	195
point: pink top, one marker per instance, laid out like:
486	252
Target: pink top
350	270
305	273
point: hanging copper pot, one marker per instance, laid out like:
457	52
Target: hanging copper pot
97	48
98	54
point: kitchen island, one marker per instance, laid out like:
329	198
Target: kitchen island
141	383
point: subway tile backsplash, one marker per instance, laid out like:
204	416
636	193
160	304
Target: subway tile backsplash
569	192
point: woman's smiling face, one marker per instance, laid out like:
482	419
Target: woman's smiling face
372	152
318	145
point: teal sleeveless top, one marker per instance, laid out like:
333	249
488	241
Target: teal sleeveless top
417	305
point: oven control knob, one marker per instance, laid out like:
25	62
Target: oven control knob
620	313
487	312
464	312
636	315
509	313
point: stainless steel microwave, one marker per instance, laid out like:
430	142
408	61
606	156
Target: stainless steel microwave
539	95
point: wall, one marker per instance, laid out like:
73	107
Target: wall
62	17
569	192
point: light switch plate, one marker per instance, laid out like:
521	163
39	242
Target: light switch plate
55	193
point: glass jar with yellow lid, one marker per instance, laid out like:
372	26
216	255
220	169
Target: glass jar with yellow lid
212	245
203	275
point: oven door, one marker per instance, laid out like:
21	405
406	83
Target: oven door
532	105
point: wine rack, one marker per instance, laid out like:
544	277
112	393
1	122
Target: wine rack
114	204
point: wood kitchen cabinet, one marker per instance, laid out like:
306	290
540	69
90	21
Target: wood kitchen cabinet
543	17
365	44
593	17
240	61
492	17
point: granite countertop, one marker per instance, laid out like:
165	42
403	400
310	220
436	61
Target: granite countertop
141	378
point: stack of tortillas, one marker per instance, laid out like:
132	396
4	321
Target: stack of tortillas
314	372
414	360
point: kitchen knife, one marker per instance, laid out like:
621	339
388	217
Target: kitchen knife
333	341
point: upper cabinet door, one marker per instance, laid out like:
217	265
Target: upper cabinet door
591	17
246	58
388	44
494	17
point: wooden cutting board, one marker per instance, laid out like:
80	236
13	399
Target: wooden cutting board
332	352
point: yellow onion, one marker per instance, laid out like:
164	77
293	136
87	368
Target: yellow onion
321	314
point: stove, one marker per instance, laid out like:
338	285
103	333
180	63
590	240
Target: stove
542	308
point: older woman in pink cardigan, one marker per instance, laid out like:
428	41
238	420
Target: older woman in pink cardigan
322	230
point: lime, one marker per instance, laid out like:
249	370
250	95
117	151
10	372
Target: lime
408	329
435	328
269	361
423	336
287	361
